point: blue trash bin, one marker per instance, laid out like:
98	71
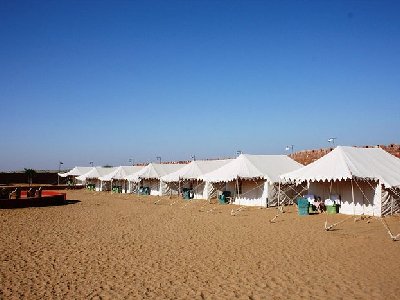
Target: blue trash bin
303	206
222	199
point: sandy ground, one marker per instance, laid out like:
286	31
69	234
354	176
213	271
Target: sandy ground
126	247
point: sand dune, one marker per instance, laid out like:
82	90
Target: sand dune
115	246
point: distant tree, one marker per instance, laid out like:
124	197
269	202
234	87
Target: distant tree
30	173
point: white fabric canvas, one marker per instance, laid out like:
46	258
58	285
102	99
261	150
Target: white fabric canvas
121	173
151	176
358	175
156	171
195	169
188	177
76	171
248	166
351	162
255	173
96	173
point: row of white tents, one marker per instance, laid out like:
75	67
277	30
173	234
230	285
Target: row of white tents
365	180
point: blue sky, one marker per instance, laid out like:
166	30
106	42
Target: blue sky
106	81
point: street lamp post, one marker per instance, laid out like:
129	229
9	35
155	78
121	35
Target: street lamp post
159	159
332	140
59	170
291	147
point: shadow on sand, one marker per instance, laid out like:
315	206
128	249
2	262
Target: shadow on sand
35	202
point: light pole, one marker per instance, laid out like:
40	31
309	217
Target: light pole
332	140
59	170
291	147
159	159
91	163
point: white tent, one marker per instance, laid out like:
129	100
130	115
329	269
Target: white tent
119	176
367	180
150	176
92	177
252	179
188	177
76	171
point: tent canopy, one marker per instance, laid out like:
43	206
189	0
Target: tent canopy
96	172
154	171
247	166
121	173
76	171
195	169
350	162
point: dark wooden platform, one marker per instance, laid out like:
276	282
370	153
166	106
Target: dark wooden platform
48	198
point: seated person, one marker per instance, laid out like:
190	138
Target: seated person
320	205
16	194
30	193
38	193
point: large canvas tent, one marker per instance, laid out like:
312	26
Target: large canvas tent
150	177
366	180
118	178
92	177
75	172
252	179
188	177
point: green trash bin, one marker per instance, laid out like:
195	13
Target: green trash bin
331	209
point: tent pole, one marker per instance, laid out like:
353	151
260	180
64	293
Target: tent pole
238	192
279	191
237	186
352	196
391	202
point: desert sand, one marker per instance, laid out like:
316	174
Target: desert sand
118	246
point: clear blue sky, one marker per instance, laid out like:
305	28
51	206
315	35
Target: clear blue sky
105	81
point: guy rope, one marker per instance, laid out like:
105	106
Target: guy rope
202	209
280	207
393	237
363	217
234	212
280	211
327	228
